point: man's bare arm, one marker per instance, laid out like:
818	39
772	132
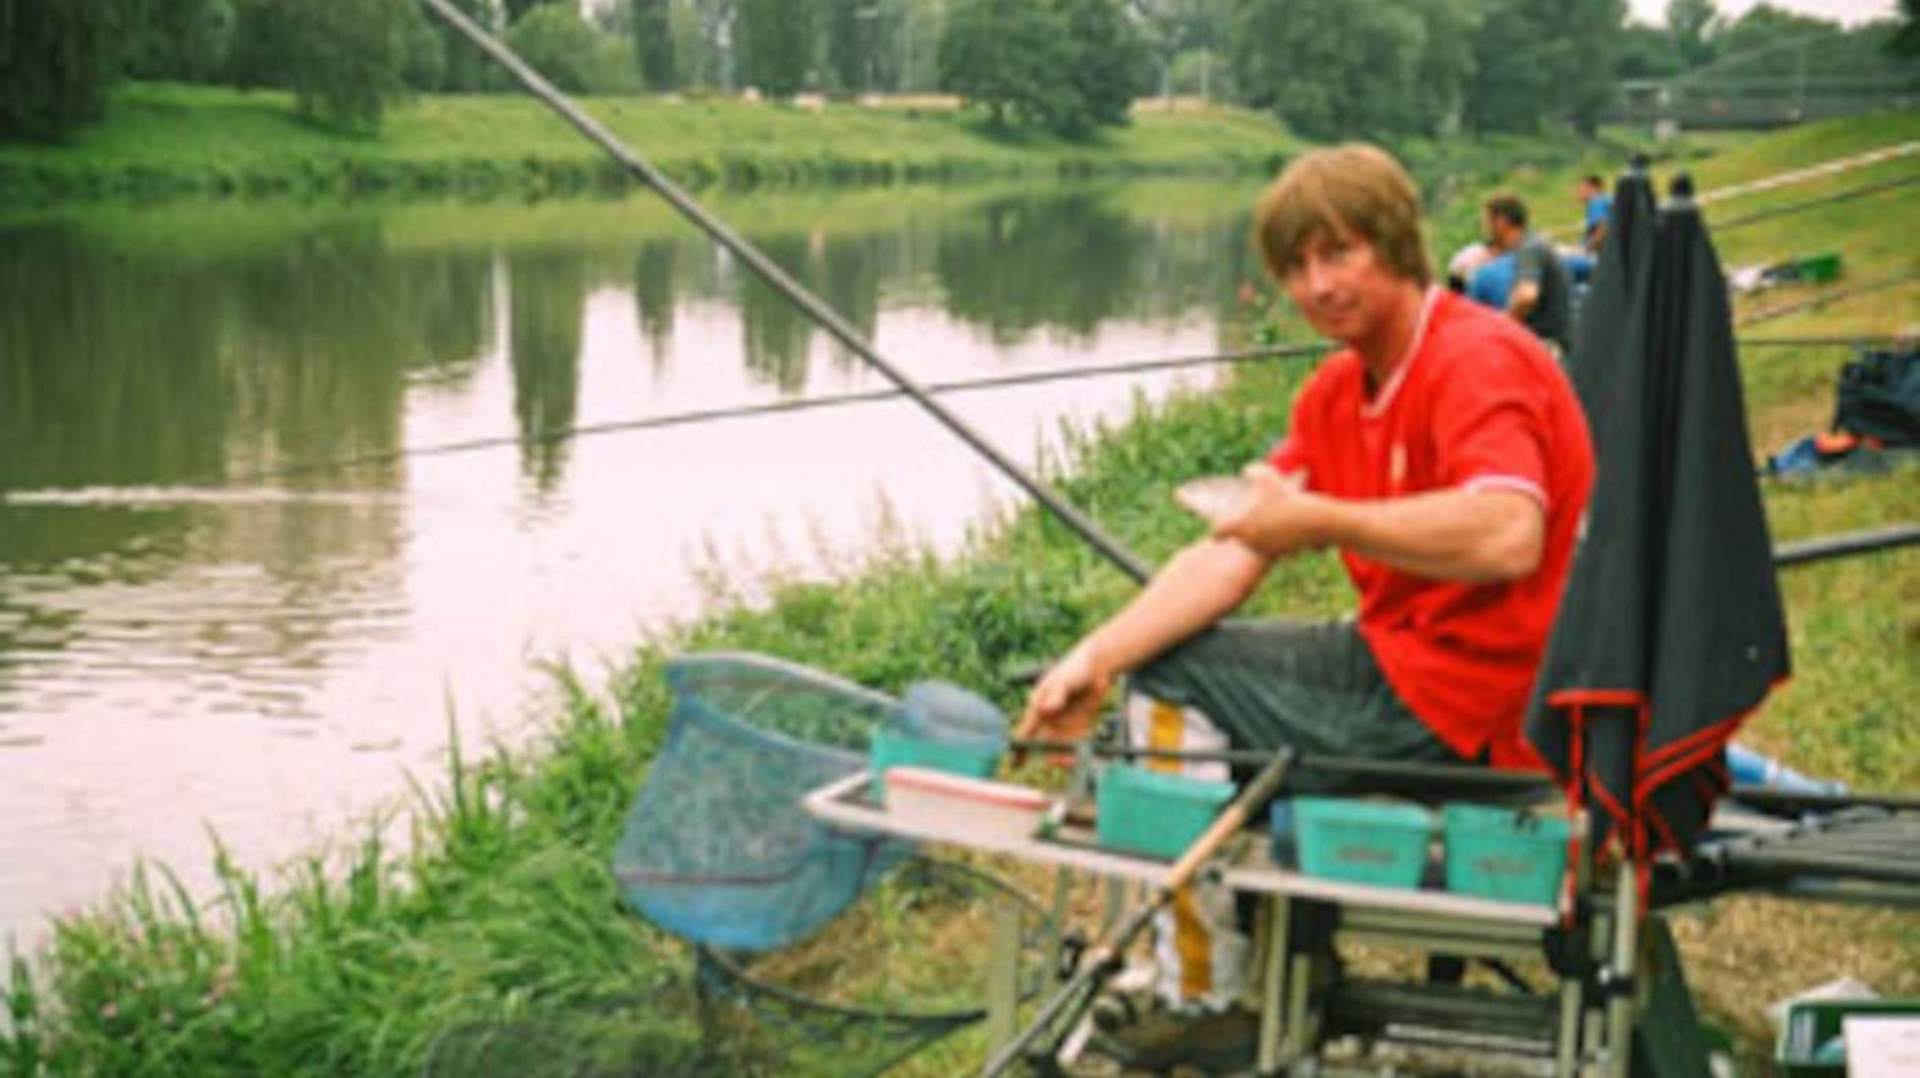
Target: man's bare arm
1197	587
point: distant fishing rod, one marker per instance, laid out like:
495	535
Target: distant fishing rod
781	281
712	415
1803	205
1779	179
1814	302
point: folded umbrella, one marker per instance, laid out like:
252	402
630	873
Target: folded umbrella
1670	631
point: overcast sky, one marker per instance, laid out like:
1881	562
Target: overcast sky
1846	11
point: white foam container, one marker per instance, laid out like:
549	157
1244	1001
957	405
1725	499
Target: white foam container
945	802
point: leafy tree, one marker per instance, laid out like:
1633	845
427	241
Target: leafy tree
1906	40
849	44
1330	70
1510	85
515	10
1110	64
1648	52
559	44
1000	54
1066	65
1689	23
776	45
181	40
464	68
57	61
423	52
345	60
1541	60
1194	29
653	47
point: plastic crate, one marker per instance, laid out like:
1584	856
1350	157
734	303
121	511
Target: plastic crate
1810	1045
1505	854
1155	813
1382	843
890	749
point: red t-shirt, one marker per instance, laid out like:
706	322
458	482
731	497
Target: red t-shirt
1478	402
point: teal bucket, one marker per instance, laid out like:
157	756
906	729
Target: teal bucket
1505	854
1380	843
888	749
1155	813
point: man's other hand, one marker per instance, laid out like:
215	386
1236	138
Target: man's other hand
1066	701
1277	517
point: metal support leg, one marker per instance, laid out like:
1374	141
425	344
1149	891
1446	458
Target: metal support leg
1273	987
1003	975
1626	946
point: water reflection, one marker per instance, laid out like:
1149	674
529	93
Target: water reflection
185	622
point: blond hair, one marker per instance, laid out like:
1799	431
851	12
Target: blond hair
1353	189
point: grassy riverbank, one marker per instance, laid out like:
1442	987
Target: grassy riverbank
503	907
164	141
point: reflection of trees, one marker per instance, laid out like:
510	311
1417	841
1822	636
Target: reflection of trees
653	297
774	331
120	369
448	294
1023	263
318	375
549	291
849	274
106	367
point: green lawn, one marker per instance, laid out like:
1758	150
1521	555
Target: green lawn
165	140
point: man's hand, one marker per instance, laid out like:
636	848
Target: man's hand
1277	517
1066	701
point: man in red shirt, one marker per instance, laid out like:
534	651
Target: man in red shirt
1442	452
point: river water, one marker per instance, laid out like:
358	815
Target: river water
202	634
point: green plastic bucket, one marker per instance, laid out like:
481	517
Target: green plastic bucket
1382	843
899	750
1505	854
1155	813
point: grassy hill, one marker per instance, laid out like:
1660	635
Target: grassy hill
165	140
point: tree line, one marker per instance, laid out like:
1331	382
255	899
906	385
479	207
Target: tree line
1380	68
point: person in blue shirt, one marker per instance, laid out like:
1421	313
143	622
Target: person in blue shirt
1492	282
1597	206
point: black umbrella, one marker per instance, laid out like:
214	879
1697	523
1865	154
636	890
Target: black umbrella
1597	336
1670	631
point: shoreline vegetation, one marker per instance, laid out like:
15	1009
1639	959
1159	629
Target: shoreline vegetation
502	907
169	141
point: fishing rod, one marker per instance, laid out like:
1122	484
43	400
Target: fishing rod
836	400
1821	301
769	271
1847	195
1782	179
710	415
1820	342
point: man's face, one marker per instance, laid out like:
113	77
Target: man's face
1585	191
1342	285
